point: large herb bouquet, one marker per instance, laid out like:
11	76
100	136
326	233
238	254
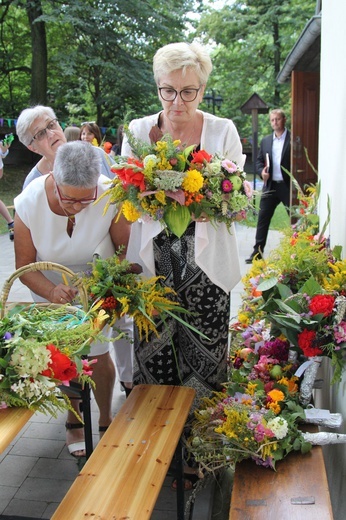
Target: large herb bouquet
170	185
235	425
292	314
41	349
115	289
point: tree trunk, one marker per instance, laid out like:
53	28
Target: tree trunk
38	94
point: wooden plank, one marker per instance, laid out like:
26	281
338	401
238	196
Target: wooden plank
12	421
123	477
262	494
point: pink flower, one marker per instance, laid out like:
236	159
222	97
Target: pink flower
340	332
226	186
87	369
248	189
229	166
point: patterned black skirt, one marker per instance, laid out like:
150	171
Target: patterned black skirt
180	356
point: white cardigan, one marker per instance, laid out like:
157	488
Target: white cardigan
216	249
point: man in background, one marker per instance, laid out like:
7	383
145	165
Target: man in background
274	156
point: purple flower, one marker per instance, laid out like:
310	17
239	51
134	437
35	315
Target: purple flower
7	335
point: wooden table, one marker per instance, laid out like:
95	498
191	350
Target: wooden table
298	490
12	421
124	475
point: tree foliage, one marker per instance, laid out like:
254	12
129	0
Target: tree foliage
92	59
250	41
98	54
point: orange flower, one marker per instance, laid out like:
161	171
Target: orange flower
276	395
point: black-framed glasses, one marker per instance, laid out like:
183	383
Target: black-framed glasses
186	94
41	134
66	200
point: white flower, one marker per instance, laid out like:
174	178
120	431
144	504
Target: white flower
150	161
278	426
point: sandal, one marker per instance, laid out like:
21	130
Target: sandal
125	389
11	231
74	447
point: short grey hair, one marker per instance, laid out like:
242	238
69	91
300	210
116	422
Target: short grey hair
182	56
27	117
77	163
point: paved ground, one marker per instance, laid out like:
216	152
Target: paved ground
36	470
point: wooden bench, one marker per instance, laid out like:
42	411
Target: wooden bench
124	475
298	490
12	421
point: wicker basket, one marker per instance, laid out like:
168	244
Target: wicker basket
42	266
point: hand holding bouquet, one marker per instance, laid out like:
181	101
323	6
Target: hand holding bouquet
175	186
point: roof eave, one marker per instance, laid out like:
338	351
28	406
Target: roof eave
309	35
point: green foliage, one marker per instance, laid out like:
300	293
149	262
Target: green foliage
251	39
99	54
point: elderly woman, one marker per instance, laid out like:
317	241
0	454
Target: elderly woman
56	220
203	265
39	130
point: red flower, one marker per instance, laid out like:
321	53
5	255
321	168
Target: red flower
129	174
60	366
201	157
322	304
306	340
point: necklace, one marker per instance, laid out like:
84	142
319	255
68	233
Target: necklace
71	218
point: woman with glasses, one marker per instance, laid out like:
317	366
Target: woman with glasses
39	130
203	265
56	220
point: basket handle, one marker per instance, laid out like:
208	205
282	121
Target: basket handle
41	266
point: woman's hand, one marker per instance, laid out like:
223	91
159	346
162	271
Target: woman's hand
62	294
202	218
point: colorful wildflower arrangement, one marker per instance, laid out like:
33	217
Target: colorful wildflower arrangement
170	185
293	312
41	349
115	290
312	320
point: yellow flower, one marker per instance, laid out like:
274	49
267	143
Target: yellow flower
161	146
161	197
164	164
251	388
243	318
125	301
193	181
130	212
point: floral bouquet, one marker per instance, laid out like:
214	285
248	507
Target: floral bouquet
235	425
41	349
170	185
312	319
114	289
259	415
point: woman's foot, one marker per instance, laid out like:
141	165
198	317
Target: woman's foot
75	439
127	387
11	230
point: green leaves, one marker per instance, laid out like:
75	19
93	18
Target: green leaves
177	219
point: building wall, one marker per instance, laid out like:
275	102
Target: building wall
332	175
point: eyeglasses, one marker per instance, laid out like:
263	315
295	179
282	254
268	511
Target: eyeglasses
41	134
88	123
187	94
66	200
